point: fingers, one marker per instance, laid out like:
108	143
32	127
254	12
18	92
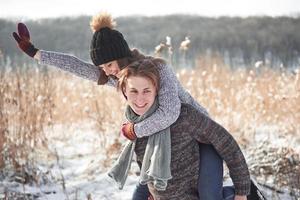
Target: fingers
16	36
23	32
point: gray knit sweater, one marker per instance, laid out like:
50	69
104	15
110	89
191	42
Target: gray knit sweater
191	128
170	95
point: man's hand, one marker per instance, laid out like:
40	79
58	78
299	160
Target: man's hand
239	197
23	40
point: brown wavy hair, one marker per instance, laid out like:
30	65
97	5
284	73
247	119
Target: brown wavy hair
145	68
136	56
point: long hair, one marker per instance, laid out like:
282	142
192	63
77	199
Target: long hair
136	56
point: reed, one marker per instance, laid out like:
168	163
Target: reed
26	105
243	100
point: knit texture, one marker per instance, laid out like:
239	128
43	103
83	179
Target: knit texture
170	95
192	127
157	158
108	45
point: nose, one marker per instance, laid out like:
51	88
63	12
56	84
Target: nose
140	99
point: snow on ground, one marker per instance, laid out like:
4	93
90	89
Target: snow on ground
79	168
80	157
79	162
271	133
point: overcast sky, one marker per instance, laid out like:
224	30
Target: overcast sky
34	9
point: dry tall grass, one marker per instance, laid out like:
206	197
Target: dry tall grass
31	100
242	100
246	100
25	107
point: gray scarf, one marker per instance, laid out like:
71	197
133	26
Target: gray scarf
157	157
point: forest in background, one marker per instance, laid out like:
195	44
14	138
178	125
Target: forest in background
40	146
239	41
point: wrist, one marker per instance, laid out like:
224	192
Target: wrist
240	197
131	133
128	131
37	56
31	51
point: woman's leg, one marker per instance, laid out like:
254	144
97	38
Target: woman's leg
210	182
141	192
228	193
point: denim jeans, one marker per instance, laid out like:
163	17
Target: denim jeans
210	181
141	192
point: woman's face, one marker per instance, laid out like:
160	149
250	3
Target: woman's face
111	68
140	93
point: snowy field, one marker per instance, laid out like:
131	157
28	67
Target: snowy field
260	110
77	172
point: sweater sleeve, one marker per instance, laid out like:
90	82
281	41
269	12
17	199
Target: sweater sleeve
208	131
169	105
73	65
185	97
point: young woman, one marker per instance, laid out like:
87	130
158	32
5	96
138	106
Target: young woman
139	82
110	54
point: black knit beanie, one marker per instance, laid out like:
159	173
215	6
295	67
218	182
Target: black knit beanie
108	45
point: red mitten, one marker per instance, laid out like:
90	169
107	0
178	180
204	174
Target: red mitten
128	131
23	40
150	197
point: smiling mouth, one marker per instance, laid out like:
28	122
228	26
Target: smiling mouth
143	106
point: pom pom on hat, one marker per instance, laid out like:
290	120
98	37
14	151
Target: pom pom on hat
107	43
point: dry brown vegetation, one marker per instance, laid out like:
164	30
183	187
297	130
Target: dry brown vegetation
32	100
242	100
26	101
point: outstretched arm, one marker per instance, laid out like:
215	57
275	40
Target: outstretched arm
63	61
169	105
70	64
73	65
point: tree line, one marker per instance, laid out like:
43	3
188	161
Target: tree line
240	41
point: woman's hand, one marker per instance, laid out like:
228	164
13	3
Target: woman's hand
239	197
128	131
23	40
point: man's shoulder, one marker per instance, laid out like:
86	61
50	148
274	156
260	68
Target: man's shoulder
189	112
186	108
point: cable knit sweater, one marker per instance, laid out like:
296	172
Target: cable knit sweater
170	95
190	128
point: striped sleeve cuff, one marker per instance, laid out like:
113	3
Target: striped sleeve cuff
243	188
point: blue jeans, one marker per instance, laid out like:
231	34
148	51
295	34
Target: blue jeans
210	181
141	192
